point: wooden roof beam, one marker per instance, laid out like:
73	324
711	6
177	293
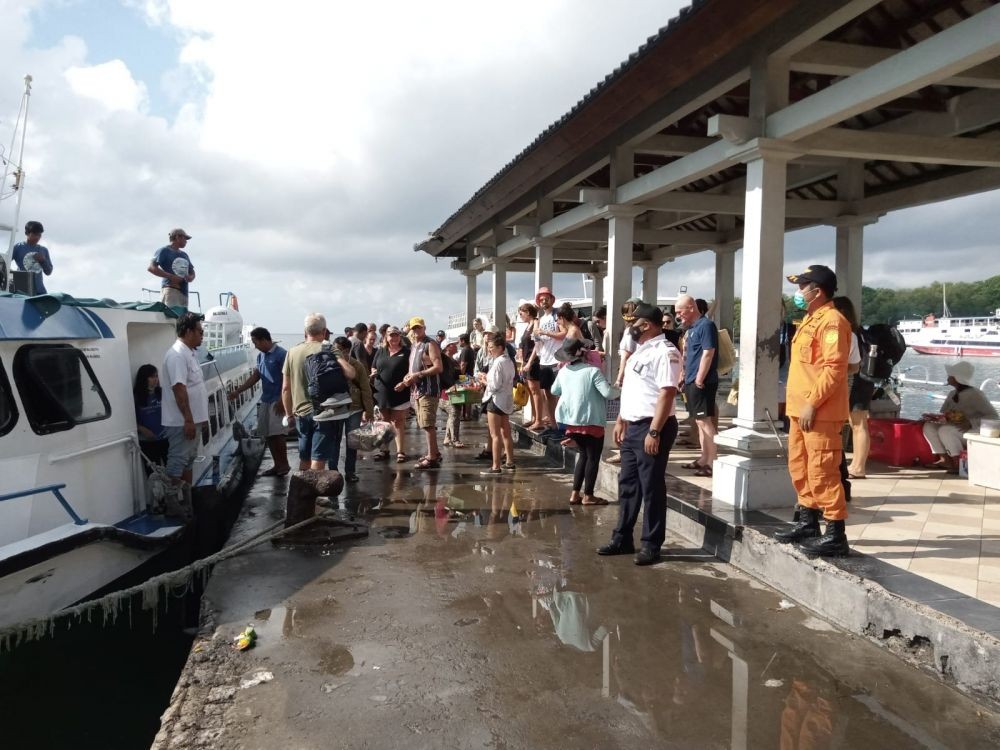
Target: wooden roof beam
861	144
953	51
841	59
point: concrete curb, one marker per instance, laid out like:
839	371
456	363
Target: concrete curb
960	654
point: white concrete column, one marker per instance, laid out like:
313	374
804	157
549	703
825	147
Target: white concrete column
725	288
621	236
755	475
597	279
543	265
850	233
650	281
470	299
760	311
499	293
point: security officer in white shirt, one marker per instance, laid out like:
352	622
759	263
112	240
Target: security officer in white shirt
645	431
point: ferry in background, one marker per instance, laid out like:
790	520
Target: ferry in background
959	337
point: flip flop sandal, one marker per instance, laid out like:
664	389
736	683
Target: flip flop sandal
274	473
691	465
458	445
578	501
703	471
402	458
381	456
427	463
595	501
856	476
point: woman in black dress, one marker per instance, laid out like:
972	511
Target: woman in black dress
389	367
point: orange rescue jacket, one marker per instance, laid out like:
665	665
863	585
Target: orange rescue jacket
817	372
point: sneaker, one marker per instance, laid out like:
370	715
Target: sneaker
490	473
508	467
327	415
351	478
338	399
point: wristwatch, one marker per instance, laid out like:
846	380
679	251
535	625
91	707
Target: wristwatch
654	433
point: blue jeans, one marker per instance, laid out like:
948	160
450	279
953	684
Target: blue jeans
642	484
353	422
318	440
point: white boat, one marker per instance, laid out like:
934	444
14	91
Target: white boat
74	497
959	337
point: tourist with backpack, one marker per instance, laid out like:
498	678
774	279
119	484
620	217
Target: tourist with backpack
362	410
315	391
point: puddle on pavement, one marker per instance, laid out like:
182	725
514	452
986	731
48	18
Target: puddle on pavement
689	653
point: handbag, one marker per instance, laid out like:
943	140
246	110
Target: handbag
521	395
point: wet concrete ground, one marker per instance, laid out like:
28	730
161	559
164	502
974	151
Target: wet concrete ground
476	615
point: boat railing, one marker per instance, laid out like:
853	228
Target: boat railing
153	295
55	490
989	381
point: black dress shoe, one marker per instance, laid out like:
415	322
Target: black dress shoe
647	556
616	548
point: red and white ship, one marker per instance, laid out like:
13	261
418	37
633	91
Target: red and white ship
958	337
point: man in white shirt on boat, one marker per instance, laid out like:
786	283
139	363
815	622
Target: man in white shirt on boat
185	398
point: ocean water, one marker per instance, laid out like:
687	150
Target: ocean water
918	398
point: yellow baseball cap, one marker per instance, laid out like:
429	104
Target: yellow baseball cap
416	322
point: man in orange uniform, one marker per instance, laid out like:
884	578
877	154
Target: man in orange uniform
818	406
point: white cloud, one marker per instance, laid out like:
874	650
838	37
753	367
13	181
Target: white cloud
313	143
110	83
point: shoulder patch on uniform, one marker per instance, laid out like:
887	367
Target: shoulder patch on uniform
831	337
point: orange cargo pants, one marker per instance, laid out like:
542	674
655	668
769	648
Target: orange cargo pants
814	465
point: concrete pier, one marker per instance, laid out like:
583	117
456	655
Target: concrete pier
476	614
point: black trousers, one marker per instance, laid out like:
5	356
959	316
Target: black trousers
642	482
587	463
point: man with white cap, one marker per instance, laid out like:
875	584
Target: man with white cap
172	264
963	410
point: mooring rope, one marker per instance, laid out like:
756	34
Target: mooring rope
111	604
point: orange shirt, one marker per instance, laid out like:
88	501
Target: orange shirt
817	372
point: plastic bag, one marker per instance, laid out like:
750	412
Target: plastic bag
371	436
727	352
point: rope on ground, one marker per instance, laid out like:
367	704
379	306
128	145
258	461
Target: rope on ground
176	583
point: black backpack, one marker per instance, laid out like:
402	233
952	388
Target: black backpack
882	346
324	376
449	372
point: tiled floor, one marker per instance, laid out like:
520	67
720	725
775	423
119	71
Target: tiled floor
921	520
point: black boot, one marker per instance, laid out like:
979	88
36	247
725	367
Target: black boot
832	544
806	527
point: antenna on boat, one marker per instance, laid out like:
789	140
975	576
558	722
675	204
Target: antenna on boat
18	188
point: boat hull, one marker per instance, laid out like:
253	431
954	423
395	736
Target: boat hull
957	351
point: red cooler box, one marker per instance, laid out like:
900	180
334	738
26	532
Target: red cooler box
899	442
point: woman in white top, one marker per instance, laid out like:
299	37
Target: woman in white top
964	409
498	403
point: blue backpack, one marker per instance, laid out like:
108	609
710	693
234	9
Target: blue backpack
324	376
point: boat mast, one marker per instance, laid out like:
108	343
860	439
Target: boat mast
18	170
945	312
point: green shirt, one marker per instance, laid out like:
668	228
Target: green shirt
295	370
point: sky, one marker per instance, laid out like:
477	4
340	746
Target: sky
307	146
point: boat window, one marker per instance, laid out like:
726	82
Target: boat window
8	410
58	387
213	420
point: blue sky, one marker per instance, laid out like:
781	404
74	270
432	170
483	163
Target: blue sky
113	31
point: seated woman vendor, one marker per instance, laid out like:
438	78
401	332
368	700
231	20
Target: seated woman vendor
962	411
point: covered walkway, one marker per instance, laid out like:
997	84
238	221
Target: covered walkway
734	124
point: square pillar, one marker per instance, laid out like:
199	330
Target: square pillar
621	237
725	289
755	474
597	296
650	282
850	233
543	265
499	293
470	300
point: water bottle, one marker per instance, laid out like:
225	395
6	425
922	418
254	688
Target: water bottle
870	366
